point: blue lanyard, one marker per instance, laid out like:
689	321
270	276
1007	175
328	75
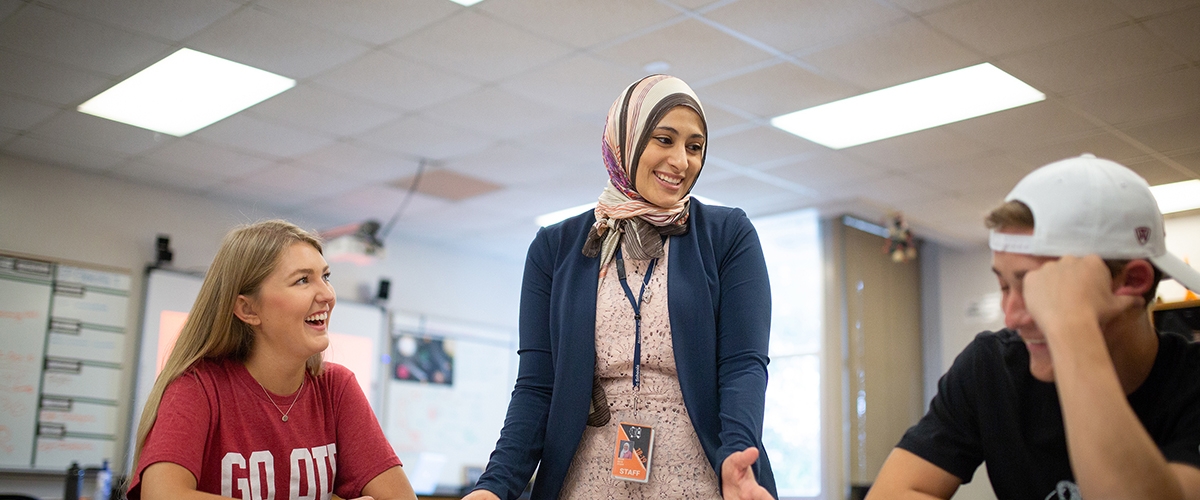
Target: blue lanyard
637	313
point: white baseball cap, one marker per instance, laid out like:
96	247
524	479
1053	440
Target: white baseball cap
1087	205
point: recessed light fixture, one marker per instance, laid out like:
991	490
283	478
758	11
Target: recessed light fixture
917	105
185	92
559	215
1177	196
466	3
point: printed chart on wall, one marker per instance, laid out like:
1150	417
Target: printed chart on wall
447	394
63	336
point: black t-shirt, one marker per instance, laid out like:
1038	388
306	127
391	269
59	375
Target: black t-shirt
989	408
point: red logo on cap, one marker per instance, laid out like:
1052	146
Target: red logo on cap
1143	234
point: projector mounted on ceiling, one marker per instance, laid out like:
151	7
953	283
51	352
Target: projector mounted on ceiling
356	243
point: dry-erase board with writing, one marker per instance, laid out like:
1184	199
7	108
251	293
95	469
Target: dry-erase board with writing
62	340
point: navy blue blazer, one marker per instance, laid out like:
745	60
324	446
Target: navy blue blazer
719	301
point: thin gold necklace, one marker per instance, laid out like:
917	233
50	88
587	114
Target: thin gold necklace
272	400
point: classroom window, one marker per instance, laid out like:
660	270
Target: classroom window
792	423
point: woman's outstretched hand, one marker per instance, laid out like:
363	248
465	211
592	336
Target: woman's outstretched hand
737	478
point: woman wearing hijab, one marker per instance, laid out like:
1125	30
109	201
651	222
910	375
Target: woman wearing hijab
644	321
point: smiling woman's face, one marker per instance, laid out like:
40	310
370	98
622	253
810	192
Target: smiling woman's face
672	158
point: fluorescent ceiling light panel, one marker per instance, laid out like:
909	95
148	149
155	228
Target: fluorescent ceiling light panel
909	107
466	3
185	92
560	215
1177	196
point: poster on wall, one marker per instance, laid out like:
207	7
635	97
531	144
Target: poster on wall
423	359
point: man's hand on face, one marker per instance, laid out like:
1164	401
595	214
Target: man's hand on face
1070	290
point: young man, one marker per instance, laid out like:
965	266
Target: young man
1078	397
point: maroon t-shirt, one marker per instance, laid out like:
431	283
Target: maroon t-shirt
215	420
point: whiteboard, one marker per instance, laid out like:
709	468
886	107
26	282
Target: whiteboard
62	340
437	430
25	288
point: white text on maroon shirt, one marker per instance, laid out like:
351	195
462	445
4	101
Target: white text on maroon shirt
311	474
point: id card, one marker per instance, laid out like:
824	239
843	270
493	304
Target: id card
631	454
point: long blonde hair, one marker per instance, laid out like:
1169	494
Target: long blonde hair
247	256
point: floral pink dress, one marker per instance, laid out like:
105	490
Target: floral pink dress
679	468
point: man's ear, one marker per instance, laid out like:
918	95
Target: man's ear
244	310
1135	279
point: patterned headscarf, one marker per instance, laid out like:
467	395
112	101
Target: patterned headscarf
621	209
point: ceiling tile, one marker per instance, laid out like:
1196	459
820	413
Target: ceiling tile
751	195
759	145
496	112
7	7
251	134
189	154
1168	136
494	50
694	50
1024	126
286	186
1156	172
893	55
360	162
1145	8
357	205
447	184
420	137
580	23
310	106
385	78
1189	161
891	190
972	174
922	148
923	6
1103	145
257	38
573	140
1152	98
66	39
66	155
697	4
580	84
73	127
999	27
506	165
48	81
722	120
935	211
791	26
373	21
170	20
983	199
826	169
177	178
775	90
1091	61
1180	30
22	114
